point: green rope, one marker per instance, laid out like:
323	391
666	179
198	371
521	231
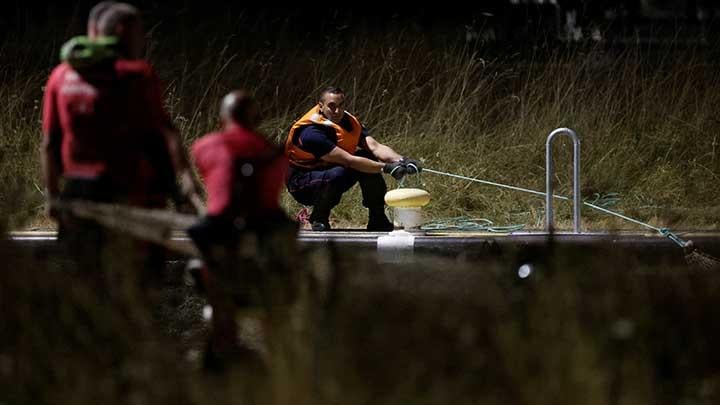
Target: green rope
673	237
468	224
605	200
401	182
462	223
598	202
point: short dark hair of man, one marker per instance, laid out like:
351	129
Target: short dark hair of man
331	90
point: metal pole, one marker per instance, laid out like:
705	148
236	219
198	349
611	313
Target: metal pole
577	203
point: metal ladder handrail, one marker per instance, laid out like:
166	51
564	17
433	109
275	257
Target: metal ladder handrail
577	203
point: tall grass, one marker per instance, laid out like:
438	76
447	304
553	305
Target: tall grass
645	114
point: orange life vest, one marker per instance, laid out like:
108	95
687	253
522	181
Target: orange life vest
346	140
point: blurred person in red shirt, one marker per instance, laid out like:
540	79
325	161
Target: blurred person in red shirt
244	175
106	135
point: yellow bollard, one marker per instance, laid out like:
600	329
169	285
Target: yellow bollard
407	206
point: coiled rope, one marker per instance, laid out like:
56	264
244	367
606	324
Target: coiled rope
693	256
468	224
462	223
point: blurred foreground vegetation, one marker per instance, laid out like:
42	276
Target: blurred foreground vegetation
577	327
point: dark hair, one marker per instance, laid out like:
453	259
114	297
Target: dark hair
241	107
115	15
331	90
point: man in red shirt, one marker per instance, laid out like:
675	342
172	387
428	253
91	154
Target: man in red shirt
244	174
105	133
123	21
237	163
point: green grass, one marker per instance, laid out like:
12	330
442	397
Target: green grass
646	116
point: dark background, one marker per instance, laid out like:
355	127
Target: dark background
500	21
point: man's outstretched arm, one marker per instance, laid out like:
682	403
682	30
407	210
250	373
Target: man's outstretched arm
340	157
382	152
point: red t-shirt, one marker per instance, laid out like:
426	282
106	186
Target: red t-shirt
243	173
104	120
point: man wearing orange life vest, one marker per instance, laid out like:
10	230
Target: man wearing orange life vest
329	150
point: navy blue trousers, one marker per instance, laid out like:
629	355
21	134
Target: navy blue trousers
323	189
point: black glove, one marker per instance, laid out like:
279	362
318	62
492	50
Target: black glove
412	166
395	169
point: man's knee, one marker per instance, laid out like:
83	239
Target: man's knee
328	185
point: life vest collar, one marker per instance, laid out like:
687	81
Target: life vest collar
346	140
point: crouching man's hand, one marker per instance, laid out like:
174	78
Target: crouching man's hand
412	166
395	169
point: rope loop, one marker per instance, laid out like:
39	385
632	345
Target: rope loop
673	237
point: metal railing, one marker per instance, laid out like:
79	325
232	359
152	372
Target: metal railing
577	202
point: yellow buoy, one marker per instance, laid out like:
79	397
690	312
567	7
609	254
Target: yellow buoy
407	198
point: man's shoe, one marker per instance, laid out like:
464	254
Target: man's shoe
320	226
319	219
380	223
